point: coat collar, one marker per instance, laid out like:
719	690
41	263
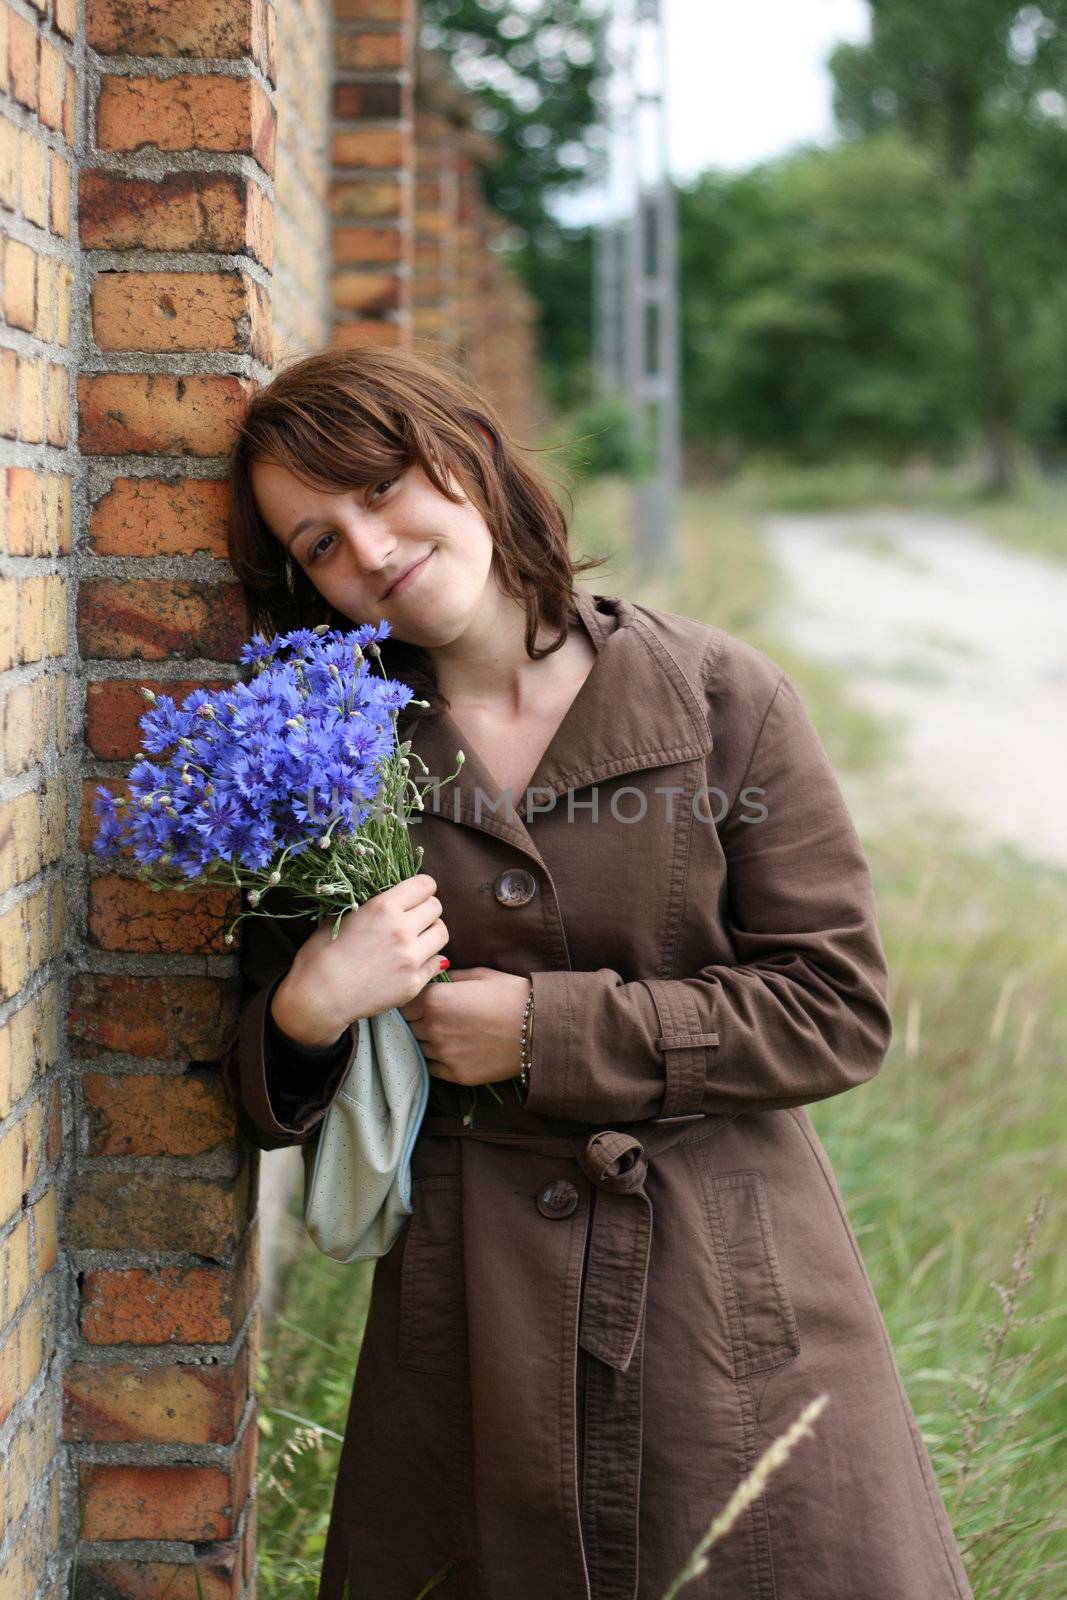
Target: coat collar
635	709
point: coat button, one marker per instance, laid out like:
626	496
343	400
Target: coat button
557	1199
515	887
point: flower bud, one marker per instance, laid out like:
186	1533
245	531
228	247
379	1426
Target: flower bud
149	695
253	897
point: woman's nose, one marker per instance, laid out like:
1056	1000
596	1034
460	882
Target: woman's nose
371	544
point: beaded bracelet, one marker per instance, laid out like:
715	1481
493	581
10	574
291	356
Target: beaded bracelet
525	1062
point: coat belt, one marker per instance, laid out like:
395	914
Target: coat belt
616	1161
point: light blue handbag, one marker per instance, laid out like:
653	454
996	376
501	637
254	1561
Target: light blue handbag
357	1170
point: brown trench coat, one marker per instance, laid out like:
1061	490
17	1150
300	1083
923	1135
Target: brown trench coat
583	1339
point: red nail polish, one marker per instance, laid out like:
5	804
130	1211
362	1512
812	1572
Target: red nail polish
445	962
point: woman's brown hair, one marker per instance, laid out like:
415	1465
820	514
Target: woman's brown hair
342	418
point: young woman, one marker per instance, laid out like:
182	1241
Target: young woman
634	1269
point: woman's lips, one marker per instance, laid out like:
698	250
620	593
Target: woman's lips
407	577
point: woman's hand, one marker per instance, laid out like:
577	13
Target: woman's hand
386	950
468	1028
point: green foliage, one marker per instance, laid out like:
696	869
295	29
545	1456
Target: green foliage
600	440
978	89
818	304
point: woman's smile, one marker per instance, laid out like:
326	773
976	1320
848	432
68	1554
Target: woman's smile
407	578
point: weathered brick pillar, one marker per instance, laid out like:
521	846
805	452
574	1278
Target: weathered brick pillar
37	271
175	224
371	192
436	283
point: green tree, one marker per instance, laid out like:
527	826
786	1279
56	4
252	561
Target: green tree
820	312
977	84
533	67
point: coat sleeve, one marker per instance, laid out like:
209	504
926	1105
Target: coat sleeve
803	1012
280	1091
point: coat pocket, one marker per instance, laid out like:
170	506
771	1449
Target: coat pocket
432	1325
763	1329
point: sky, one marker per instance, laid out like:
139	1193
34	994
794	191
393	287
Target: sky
747	80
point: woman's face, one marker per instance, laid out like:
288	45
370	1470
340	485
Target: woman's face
354	543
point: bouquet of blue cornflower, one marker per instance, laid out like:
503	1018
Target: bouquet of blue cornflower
294	778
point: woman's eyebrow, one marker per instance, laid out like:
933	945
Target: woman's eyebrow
307	522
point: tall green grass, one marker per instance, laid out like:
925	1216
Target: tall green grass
951	1160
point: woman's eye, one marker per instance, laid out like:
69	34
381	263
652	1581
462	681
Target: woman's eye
316	547
386	483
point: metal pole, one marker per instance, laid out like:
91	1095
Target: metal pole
652	365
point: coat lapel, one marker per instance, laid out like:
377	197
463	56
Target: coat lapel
636	709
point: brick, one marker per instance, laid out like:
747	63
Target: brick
169	1018
25	499
175	1404
14	1270
52	76
370	147
146	1502
25	719
31	399
357	102
181	28
34	1133
368	292
22	59
10	1173
370	199
20	309
180	211
66	17
114	708
31	620
150	517
374	10
5	77
58	405
45	1234
9	600
9	164
167	1305
358	245
44	328
32	163
185	113
126	914
146	1114
214	1576
155	1211
371	51
9	406
150	619
69	104
159	413
359	333
171	311
64	287
59	215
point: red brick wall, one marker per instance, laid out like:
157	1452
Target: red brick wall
37	273
176	226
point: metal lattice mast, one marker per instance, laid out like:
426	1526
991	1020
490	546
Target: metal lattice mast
652	357
635	272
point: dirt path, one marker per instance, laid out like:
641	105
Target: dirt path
960	641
